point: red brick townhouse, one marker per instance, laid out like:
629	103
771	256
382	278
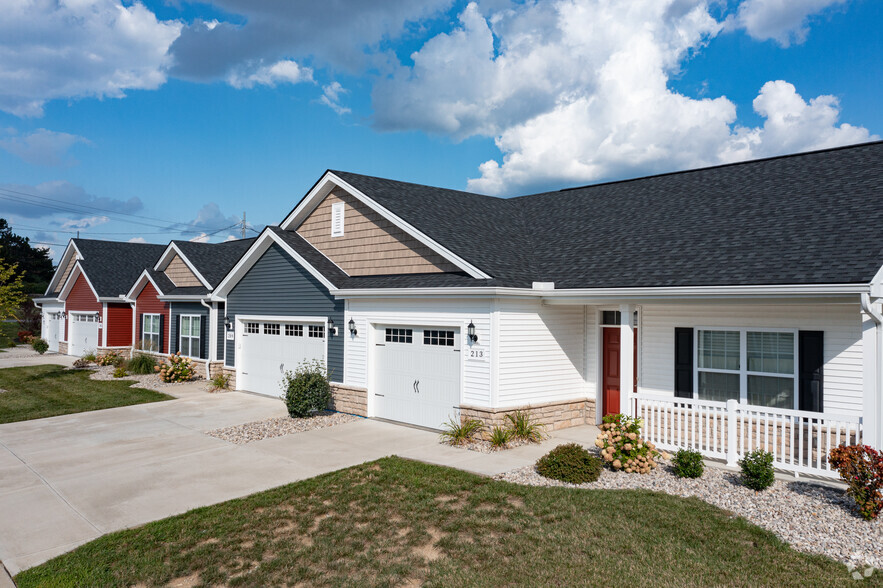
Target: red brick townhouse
85	308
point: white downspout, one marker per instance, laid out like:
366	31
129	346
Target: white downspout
211	339
876	414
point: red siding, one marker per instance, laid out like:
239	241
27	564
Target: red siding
147	302
81	298
119	325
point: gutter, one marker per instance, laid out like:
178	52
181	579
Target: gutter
869	309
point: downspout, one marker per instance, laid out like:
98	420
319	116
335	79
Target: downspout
134	328
868	307
208	344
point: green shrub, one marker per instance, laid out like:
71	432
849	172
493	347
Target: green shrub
757	469
861	467
141	363
570	463
307	389
523	429
688	463
499	437
178	369
120	372
455	432
40	345
220	382
90	357
622	447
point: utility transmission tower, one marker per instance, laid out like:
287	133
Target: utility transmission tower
243	224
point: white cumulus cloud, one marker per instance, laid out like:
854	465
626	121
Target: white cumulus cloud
137	240
84	223
785	21
284	71
78	48
577	91
331	97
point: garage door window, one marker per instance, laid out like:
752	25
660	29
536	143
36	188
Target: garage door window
317	331
271	329
252	328
190	328
294	330
441	338
85	318
399	335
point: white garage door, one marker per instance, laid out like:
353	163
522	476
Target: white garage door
83	336
268	348
417	375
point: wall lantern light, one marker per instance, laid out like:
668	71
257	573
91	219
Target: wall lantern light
227	323
352	327
470	332
332	330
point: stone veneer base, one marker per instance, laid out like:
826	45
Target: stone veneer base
554	415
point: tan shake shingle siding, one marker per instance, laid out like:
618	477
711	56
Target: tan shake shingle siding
181	275
370	245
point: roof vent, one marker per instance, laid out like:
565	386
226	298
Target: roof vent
543	285
337	219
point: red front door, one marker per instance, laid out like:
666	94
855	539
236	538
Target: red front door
611	371
611	380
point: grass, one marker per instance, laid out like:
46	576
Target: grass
398	522
43	391
8	333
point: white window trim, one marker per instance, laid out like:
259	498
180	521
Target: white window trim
158	333
181	334
743	371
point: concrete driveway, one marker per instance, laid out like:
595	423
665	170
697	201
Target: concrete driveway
69	479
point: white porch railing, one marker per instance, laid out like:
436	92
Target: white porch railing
800	441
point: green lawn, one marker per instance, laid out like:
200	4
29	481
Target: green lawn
397	522
42	391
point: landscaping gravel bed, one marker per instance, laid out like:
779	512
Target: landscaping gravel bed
482	446
278	427
20	351
812	518
149	381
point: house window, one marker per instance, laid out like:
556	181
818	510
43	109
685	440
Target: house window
751	366
613	318
317	331
294	330
252	328
442	338
190	331
150	332
271	329
399	335
337	219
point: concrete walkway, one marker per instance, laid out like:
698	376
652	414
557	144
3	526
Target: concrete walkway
23	355
69	479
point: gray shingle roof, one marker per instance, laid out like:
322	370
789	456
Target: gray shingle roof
812	218
214	260
112	267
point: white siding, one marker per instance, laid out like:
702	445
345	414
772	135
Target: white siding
425	312
840	322
542	353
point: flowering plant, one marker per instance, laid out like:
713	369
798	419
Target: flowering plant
622	447
109	358
861	467
178	369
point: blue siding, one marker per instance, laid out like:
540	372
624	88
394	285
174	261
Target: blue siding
278	285
179	308
222	333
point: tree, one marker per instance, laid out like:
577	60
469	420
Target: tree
34	264
12	294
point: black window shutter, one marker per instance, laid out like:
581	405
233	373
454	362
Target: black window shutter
174	344
683	362
203	340
162	324
810	371
139	328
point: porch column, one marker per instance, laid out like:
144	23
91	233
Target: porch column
626	357
872	411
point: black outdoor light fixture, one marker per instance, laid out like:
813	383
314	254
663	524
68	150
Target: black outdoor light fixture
352	327
470	332
227	324
331	330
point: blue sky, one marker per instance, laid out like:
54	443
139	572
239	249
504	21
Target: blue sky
169	119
